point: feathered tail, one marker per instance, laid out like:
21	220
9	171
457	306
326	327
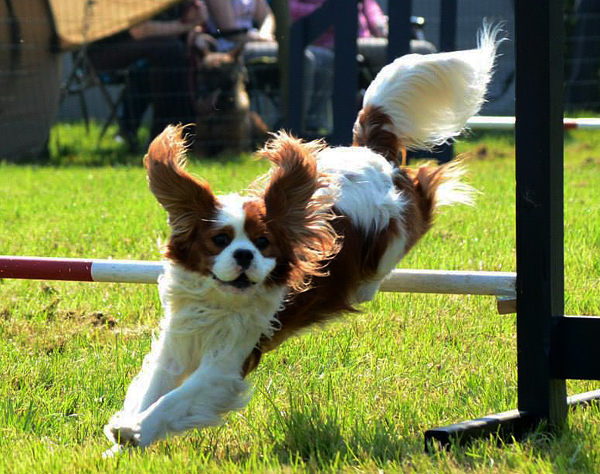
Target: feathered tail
422	101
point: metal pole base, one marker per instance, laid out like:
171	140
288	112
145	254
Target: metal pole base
508	425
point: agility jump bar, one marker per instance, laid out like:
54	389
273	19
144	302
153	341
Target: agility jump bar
508	123
500	284
75	269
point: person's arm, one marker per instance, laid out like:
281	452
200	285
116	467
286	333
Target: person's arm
152	28
223	17
376	20
264	18
299	9
262	11
266	32
195	14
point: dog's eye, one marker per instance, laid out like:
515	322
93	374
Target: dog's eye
261	243
221	240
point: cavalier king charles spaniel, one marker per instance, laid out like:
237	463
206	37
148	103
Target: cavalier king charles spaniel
312	239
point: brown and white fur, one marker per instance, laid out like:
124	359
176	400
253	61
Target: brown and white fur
317	237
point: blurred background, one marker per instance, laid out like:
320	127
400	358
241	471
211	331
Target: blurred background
66	62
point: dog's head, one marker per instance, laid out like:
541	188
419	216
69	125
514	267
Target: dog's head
221	78
280	236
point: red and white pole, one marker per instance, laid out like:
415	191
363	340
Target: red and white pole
508	123
138	271
75	269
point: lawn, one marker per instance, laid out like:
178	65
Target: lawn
353	397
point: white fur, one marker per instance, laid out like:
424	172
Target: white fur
192	376
364	191
225	267
362	180
431	97
453	190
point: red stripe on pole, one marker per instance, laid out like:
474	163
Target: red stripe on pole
35	268
479	122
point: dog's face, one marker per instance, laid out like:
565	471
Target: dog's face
220	70
233	245
221	78
279	237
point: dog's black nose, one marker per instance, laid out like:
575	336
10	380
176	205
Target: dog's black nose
243	258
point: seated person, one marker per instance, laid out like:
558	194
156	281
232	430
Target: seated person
372	46
235	21
372	32
165	83
252	21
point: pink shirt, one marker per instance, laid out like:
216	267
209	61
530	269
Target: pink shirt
370	19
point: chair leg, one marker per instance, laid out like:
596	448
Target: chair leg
114	109
84	110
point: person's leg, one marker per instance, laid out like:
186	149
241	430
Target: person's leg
169	85
318	79
374	52
168	75
319	88
113	55
135	102
263	74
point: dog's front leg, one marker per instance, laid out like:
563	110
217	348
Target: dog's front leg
215	388
162	370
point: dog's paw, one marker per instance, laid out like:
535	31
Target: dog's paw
112	452
123	431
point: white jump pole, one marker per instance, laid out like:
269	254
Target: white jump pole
508	123
499	284
450	282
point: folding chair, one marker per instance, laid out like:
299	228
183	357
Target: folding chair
83	76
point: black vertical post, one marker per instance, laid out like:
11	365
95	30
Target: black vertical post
448	22
281	10
448	16
399	13
295	77
539	175
550	346
345	80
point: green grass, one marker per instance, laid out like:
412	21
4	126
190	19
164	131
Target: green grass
354	397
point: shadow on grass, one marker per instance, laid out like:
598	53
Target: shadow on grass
324	439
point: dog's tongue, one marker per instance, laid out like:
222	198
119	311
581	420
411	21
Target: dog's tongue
241	282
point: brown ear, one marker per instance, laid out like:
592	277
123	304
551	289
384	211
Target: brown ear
297	214
185	198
